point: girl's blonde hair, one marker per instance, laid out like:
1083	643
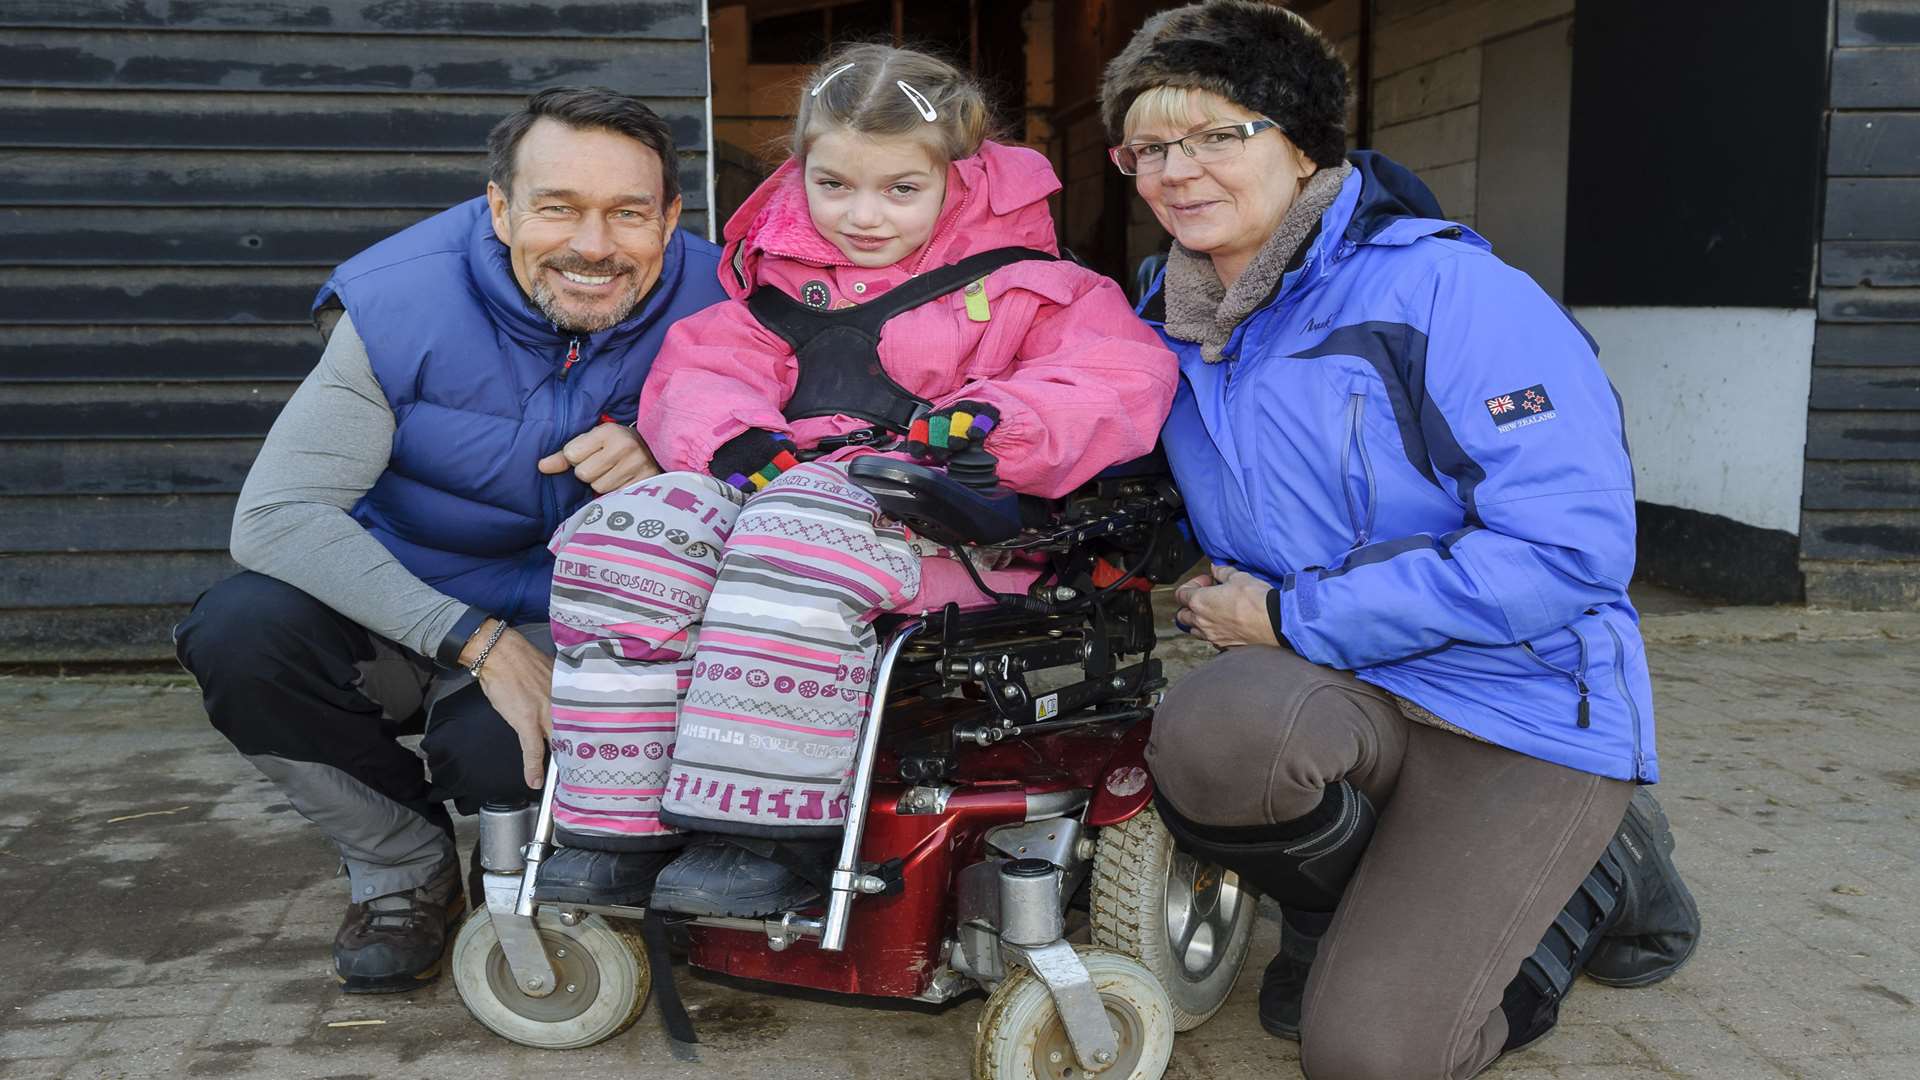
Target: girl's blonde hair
878	90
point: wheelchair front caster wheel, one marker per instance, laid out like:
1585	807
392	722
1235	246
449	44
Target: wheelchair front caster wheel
1188	920
1021	1036
602	982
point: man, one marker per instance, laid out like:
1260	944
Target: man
478	385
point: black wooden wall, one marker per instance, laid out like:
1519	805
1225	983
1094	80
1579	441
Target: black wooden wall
1695	181
175	181
1860	533
1693	171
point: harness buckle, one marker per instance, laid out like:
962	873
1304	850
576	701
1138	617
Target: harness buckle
866	436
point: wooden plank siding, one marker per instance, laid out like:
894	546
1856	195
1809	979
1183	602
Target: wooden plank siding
1424	92
1426	85
1860	527
175	182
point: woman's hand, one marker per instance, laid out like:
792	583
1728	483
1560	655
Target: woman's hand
1225	608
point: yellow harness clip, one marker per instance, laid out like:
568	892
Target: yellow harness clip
976	295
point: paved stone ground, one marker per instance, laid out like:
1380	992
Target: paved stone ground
165	914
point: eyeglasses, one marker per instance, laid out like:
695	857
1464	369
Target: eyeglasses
1207	147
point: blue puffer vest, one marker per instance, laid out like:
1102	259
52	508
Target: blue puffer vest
473	372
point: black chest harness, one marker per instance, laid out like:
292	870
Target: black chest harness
838	352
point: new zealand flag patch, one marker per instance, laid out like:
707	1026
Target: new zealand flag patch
1521	407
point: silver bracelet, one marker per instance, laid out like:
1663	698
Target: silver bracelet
487	649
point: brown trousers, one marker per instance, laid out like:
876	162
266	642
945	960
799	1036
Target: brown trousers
1476	850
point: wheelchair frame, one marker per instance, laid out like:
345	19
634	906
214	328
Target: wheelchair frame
1002	899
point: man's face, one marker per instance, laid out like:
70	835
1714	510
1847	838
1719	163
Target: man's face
584	225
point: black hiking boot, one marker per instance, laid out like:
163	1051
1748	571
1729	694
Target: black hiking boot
1284	986
720	877
1658	927
398	942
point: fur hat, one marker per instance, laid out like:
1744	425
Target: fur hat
1257	55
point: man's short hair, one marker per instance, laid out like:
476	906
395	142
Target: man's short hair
584	108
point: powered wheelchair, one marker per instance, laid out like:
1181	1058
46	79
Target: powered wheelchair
998	788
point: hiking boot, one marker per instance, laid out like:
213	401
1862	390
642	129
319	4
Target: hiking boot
398	942
721	878
1658	926
1284	986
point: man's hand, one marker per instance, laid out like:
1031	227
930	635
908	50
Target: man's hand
518	681
1225	608
605	458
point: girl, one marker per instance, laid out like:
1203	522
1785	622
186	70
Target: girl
894	283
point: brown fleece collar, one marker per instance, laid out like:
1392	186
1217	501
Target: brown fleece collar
1202	310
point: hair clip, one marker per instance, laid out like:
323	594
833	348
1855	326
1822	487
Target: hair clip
831	75
919	100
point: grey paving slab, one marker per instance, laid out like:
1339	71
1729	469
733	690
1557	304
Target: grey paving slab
168	915
45	1040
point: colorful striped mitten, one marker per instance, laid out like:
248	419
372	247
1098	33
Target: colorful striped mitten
752	459
946	431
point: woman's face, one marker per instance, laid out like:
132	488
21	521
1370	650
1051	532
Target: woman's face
1223	209
877	200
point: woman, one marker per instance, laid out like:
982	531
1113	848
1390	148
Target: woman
1408	470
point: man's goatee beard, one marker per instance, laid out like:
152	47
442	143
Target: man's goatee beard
549	305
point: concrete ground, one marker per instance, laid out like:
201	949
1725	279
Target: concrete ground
165	913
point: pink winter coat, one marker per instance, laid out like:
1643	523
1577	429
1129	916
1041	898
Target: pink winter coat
1081	384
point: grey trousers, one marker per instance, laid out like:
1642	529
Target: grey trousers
316	702
1476	850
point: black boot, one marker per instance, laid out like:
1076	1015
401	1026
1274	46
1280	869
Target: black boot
1659	924
397	942
1284	986
607	878
743	877
1532	1000
1304	865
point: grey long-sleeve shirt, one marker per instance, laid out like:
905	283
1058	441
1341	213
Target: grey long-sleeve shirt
329	446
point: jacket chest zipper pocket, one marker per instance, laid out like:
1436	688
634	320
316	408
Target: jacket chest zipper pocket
1359	504
1582	716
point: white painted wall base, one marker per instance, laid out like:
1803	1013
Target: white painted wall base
1716	402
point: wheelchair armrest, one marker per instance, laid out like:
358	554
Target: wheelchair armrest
935	505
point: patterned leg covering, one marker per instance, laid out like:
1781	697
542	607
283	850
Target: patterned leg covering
632	573
780	679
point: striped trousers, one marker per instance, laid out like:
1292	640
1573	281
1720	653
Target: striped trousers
715	655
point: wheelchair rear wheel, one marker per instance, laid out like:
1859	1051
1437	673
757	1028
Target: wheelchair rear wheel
1021	1036
1188	921
602	974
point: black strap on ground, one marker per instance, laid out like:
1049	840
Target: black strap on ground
673	1011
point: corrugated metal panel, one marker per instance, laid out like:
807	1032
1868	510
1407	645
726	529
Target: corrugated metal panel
1860	534
175	181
